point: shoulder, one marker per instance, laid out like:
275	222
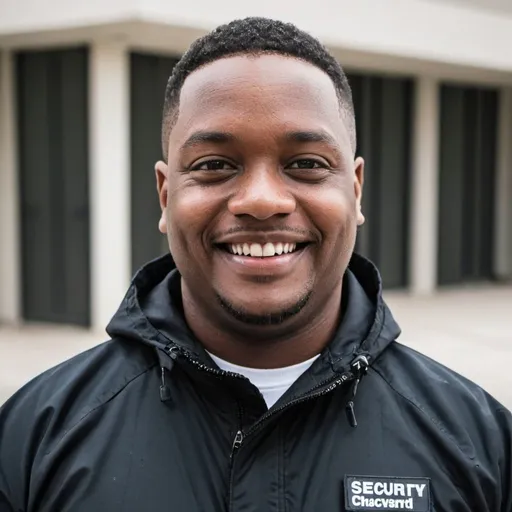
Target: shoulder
36	418
413	373
88	377
463	411
83	382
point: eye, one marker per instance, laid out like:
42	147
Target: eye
213	165
310	170
307	163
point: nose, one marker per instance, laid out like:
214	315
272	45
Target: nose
262	193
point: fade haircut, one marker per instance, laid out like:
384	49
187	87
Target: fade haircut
255	36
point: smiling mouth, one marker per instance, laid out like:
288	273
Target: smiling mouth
268	250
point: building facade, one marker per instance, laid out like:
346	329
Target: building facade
81	94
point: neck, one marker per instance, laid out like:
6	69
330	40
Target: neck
298	339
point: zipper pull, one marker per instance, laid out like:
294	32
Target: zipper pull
171	350
359	368
165	391
237	442
351	415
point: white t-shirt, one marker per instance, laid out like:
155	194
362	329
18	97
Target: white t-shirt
273	383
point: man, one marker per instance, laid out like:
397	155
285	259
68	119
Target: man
256	369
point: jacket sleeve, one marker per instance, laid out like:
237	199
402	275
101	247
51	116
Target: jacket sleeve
505	422
22	428
5	492
12	421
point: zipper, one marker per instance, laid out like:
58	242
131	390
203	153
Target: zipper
172	349
359	366
239	438
331	384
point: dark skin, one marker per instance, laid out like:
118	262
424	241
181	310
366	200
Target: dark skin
260	153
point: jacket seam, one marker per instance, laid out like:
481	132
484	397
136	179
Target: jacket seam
437	423
108	397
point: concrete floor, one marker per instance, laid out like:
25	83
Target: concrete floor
468	330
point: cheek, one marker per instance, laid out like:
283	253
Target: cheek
335	215
189	213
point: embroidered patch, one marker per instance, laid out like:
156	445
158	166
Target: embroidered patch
387	493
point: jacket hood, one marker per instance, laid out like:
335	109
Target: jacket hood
152	313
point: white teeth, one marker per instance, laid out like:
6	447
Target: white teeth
269	249
256	251
262	251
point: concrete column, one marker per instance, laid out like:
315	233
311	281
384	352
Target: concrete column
503	213
110	178
10	272
423	232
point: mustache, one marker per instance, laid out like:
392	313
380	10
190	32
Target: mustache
268	228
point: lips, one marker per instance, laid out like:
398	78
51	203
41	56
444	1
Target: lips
267	250
260	245
274	266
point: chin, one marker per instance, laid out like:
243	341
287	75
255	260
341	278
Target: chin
275	314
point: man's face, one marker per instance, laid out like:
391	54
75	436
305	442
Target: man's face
260	196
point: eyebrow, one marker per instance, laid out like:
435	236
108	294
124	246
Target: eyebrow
320	136
207	137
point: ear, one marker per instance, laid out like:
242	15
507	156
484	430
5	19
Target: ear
161	170
358	188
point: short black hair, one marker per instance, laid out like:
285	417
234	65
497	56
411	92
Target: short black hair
255	36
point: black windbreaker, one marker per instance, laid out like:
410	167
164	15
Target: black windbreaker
148	422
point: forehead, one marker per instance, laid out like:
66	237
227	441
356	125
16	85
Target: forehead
267	91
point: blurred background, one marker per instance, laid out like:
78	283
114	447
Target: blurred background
81	94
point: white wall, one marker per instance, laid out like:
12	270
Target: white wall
427	30
424	202
503	235
433	31
18	16
109	126
10	291
492	5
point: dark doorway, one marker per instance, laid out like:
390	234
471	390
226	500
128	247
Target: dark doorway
149	75
53	160
467	184
383	108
